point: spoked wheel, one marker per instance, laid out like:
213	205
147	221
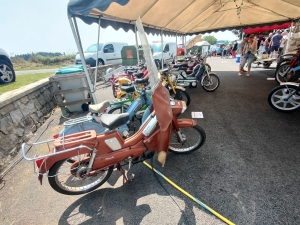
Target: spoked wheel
210	83
281	74
118	109
278	98
267	64
69	177
181	95
193	139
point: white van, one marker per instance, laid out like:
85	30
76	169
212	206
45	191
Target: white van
109	53
169	52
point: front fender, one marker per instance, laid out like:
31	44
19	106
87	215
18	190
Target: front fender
180	88
182	123
289	83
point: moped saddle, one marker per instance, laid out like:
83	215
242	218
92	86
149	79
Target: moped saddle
142	80
128	89
130	72
99	107
113	121
138	75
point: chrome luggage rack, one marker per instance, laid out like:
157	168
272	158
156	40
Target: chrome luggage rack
43	149
78	120
114	72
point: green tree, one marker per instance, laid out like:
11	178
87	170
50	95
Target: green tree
210	39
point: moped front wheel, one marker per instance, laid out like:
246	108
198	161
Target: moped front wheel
69	177
210	82
181	95
283	73
279	98
193	139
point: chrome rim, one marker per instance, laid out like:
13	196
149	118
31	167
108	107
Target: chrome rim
280	101
73	180
192	140
210	82
6	73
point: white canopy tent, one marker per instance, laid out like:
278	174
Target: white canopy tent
172	17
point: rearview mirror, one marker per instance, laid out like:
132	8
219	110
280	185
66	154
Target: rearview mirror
105	50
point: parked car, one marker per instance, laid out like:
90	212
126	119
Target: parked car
109	53
7	72
169	52
215	51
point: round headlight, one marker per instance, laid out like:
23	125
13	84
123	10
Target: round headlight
173	78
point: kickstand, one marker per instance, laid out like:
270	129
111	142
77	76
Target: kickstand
120	168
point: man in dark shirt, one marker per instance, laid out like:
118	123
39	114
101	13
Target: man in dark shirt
275	43
260	38
268	41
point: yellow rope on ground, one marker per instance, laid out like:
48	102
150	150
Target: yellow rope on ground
190	196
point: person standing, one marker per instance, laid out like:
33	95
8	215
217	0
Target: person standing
282	43
249	51
242	45
260	44
275	43
233	49
268	41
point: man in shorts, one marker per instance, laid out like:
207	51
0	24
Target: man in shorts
275	43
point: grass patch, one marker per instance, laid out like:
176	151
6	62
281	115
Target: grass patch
23	80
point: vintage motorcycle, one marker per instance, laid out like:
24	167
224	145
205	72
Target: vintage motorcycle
208	80
81	162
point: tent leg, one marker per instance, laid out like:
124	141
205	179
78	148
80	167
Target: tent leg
162	49
185	44
96	70
176	48
137	45
79	47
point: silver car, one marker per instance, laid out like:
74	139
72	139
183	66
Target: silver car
7	73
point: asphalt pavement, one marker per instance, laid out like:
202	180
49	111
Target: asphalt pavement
247	170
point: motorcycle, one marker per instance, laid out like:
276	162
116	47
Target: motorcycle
81	162
208	80
285	71
188	63
176	92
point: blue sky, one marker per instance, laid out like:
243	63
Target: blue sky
42	26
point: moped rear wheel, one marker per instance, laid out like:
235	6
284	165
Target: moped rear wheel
68	179
210	83
118	109
194	138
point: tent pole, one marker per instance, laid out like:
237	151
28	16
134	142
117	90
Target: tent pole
96	70
136	44
185	44
79	47
176	48
162	49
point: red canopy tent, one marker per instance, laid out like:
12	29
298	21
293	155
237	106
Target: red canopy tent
267	28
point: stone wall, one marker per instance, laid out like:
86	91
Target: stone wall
24	110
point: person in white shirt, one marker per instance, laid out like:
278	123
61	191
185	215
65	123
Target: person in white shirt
282	43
